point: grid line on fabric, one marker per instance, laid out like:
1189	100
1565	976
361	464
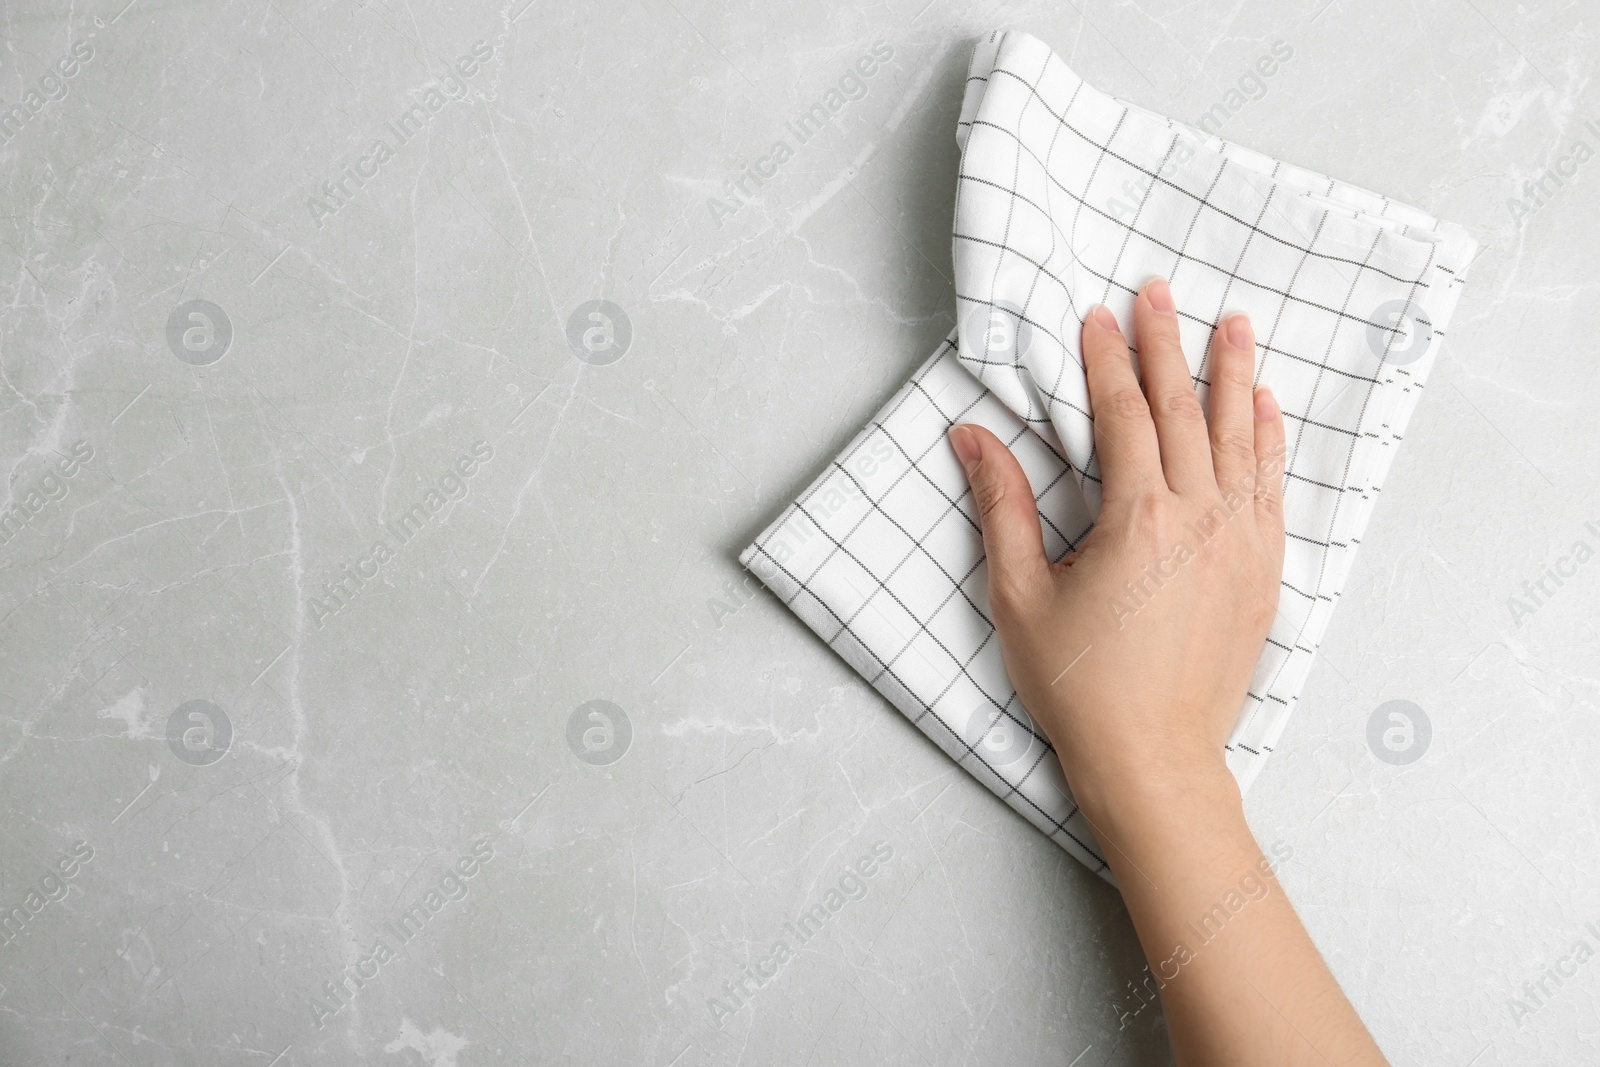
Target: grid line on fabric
1155	176
1180	251
1131	290
1005	704
1132	231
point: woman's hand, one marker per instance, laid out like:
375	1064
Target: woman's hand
1134	653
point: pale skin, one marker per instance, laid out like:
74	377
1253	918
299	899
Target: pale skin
1141	713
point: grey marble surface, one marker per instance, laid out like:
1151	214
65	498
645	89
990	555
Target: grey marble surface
306	588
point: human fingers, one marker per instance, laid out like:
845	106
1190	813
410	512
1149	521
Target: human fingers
1230	422
1179	420
1008	515
1269	465
1124	435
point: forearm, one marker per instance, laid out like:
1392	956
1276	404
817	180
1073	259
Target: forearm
1138	702
1240	980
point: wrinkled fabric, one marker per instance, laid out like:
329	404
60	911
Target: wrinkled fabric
1068	198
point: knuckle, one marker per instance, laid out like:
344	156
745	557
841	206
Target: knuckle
1234	445
1151	516
1127	404
989	493
1181	405
1235	369
1271	462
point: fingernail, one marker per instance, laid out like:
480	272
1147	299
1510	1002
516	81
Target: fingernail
1239	332
967	449
1266	405
1160	294
1104	319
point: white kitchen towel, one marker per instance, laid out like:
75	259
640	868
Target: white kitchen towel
1067	198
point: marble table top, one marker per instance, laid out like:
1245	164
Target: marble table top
388	389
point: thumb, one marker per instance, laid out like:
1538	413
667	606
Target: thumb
1012	538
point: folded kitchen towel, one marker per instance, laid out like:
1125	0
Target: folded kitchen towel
1067	198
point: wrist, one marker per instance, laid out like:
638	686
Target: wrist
1179	840
1161	800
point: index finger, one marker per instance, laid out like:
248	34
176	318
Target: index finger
1124	433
